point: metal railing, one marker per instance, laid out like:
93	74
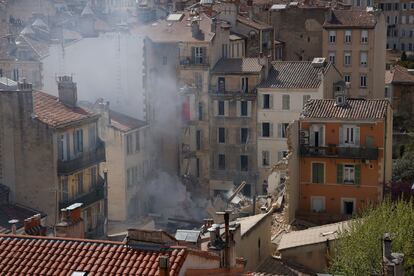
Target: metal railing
95	194
340	152
86	159
189	61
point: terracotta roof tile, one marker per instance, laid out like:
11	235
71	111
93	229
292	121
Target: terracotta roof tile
237	65
399	75
350	18
27	255
354	109
54	113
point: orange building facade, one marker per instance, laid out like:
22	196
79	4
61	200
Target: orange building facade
345	157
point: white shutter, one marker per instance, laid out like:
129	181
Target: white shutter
270	130
249	108
271	101
238	108
279	130
356	133
341	135
215	104
226	108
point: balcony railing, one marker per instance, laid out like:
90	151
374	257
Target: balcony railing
95	194
218	93
340	152
85	160
191	62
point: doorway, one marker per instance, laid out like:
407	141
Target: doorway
348	206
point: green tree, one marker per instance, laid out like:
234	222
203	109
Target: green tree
403	169
358	251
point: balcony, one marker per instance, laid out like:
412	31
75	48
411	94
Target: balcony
334	151
85	160
96	193
189	62
215	93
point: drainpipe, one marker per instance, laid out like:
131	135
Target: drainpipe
105	202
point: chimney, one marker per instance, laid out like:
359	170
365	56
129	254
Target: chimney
67	91
71	223
24	85
163	264
195	28
213	25
13	223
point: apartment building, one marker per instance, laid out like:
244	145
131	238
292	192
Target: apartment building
345	157
181	51
281	97
354	41
129	162
51	154
232	123
399	16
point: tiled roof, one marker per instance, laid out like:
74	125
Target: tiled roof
41	48
253	23
276	267
354	109
311	235
28	255
350	18
399	75
294	74
123	122
54	113
177	31
238	65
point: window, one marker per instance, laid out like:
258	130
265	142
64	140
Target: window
132	176
63	147
348	36
332	37
220	108
93	176
221	162
221	135
265	158
245	84
332	57
286	102
318	172
358	3
364	36
79	180
282	130
363	81
16	74
198	139
349	135
243	109
347	78
348	174
199	55
305	99
403	19
402	47
200	111
244	163
64	188
92	136
198	80
348	206
129	147
363	58
78	141
244	135
137	142
1	72
317	204
404	6
267	101
396	6
410	47
221	85
347	58
267	130
224	50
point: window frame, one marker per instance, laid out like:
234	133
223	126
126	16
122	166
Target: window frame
323	174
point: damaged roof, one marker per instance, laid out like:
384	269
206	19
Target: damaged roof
238	65
54	113
187	235
124	122
398	75
350	18
294	74
354	109
255	24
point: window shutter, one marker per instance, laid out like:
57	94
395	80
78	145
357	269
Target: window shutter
192	54
339	173
226	108
249	108
356	131
75	148
67	146
357	174
270	130
341	135
215	104
238	108
261	101
314	173
270	101
259	129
